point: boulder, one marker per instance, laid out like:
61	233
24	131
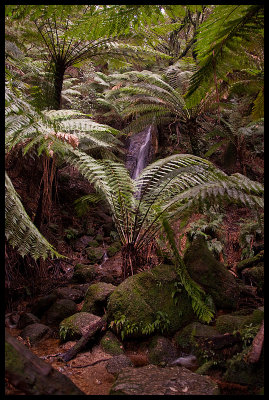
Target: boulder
212	275
95	254
43	304
84	273
96	297
27	319
70	293
76	325
81	243
154	380
35	333
117	363
161	351
229	323
113	248
254	276
61	309
146	298
111	344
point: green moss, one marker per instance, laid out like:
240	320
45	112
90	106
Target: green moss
250	261
111	344
93	243
205	367
96	297
84	273
113	249
255	318
229	323
186	338
71	328
13	361
141	297
94	254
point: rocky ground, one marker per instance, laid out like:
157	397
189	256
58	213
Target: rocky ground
171	352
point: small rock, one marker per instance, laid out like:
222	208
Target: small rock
35	333
27	319
117	363
61	309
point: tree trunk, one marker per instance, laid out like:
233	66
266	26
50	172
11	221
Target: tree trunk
71	353
257	344
59	70
28	373
191	126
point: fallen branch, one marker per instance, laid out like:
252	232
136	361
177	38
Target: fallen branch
89	365
71	353
256	349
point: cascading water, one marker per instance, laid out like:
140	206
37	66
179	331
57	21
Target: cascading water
142	156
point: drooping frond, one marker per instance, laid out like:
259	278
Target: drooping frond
20	231
221	45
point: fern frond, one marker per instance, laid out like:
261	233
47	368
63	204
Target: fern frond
20	231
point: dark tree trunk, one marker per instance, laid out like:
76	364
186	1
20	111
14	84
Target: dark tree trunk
59	70
27	372
191	126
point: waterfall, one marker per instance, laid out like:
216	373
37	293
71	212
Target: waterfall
142	156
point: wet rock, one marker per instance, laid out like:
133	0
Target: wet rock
81	243
154	380
77	325
212	275
117	363
61	309
96	297
161	350
70	293
35	333
95	254
141	298
84	273
43	304
27	319
188	361
111	344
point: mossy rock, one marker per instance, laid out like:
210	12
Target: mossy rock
84	273
113	249
255	318
35	333
161	350
242	372
96	297
211	274
99	238
111	344
76	325
95	254
93	243
140	297
61	309
229	323
186	338
255	276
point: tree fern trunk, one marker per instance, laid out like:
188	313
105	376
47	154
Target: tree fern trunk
192	132
59	70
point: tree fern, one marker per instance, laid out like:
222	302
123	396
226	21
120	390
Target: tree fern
20	231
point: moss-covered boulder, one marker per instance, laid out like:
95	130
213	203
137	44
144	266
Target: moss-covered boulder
212	275
161	350
229	323
255	277
84	273
76	325
145	298
111	344
95	254
96	297
187	339
113	248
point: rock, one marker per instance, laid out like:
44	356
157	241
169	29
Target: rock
27	319
43	304
161	350
254	276
95	254
76	325
187	338
154	380
142	297
113	248
61	309
84	273
111	344
117	363
96	297
70	293
93	243
81	243
229	323
35	333
212	275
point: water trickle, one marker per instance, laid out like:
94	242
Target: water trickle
142	155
